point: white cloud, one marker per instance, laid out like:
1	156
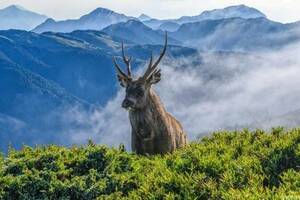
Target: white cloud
223	92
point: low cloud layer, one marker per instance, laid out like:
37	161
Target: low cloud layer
208	93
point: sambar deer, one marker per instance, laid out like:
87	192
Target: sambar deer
154	130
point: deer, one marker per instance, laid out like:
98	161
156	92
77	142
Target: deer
153	129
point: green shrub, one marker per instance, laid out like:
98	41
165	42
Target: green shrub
226	165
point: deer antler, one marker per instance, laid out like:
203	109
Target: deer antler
151	67
120	72
127	62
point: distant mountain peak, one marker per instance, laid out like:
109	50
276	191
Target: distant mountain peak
238	6
241	10
136	32
101	11
234	11
144	17
17	17
15	7
241	7
48	21
134	22
95	20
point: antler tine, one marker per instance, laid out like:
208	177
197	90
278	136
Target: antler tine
162	53
150	63
151	67
126	61
119	68
148	70
154	71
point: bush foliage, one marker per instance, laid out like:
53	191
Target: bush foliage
226	165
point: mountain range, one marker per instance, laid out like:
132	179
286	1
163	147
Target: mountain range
213	30
102	17
96	20
239	11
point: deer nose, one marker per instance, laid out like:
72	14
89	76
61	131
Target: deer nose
127	103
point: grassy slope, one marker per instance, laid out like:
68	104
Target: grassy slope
227	165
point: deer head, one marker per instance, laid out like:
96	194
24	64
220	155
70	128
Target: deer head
137	89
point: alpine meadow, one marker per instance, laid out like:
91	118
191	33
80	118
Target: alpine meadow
152	100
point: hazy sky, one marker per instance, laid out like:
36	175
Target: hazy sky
279	10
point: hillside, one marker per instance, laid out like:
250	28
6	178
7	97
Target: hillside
138	33
227	165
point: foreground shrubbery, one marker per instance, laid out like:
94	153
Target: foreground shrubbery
227	165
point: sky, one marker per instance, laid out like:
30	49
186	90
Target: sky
277	10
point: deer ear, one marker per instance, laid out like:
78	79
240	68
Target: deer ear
123	80
155	77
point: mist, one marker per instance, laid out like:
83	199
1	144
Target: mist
207	93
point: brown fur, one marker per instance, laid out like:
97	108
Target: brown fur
155	131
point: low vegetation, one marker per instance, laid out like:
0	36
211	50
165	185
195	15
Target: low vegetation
226	165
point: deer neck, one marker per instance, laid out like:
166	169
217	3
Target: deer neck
153	114
154	104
